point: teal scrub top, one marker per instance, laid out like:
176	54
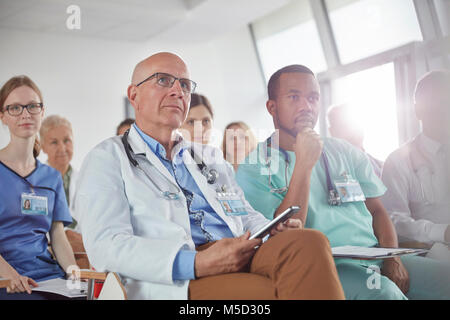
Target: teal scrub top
347	224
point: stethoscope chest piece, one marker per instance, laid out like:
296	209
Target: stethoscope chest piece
211	175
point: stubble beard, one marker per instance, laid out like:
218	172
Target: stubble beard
293	132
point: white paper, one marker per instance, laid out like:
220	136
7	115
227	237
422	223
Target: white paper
366	252
63	287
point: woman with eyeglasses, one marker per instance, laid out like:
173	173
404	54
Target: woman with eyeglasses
24	255
198	124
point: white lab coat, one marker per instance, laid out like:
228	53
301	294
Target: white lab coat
129	228
72	188
417	196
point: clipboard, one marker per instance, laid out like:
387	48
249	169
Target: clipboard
62	287
372	253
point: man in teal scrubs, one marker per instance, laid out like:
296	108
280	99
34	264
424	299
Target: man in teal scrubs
293	159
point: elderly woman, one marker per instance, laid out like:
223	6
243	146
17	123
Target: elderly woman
31	196
57	142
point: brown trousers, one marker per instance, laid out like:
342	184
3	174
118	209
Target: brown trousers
294	264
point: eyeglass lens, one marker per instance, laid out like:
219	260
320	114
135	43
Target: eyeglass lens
17	109
167	80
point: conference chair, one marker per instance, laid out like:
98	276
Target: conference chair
111	289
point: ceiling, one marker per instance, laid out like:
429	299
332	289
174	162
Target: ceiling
136	20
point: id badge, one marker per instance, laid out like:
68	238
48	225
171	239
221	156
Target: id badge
32	204
231	204
349	190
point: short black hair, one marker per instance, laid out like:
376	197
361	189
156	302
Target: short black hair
272	86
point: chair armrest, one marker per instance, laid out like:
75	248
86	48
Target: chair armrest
414	244
79	255
95	275
92	276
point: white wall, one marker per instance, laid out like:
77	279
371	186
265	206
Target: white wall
443	11
234	83
85	79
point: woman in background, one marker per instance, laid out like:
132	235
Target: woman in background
238	142
124	126
24	255
198	124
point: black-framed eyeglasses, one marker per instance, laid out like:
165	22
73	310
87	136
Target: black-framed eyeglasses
167	80
17	109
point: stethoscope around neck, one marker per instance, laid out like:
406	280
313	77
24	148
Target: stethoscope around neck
211	175
333	196
268	157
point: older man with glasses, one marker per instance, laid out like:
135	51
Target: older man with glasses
158	218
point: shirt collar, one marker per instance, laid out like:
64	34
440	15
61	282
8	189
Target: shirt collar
429	145
68	172
157	148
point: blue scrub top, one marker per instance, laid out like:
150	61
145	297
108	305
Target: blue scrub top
23	241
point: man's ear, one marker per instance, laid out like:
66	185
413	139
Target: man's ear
271	106
132	94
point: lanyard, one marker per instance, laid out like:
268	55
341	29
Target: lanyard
333	197
327	171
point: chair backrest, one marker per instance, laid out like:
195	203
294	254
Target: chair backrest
112	288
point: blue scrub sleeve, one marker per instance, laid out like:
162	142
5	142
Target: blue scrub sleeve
61	210
183	266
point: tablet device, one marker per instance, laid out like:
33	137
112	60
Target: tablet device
289	212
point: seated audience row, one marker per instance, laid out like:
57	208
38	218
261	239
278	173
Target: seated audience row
344	193
417	174
204	247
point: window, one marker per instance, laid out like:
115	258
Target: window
289	36
366	27
371	95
